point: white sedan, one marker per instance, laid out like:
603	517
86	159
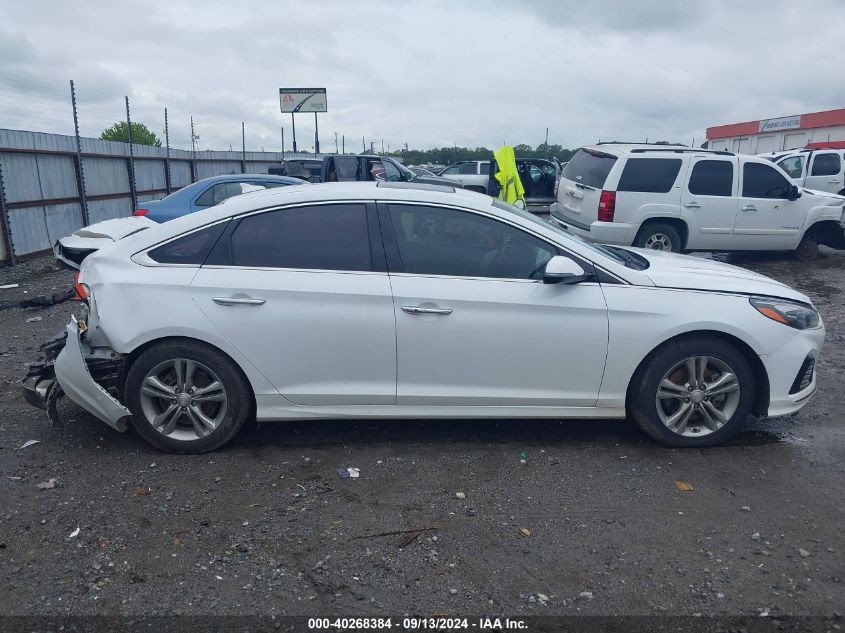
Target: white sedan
392	300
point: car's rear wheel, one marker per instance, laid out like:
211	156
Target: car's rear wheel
808	250
693	392
659	236
186	397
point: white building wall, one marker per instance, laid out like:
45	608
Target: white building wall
777	141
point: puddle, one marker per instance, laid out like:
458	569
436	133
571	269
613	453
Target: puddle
757	437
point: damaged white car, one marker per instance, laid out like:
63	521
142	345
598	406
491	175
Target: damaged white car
397	300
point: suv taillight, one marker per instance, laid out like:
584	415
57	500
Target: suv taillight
140	212
607	206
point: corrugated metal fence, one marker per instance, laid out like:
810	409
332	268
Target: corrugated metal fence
41	180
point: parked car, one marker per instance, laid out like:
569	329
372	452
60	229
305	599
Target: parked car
539	177
208	192
398	300
367	167
677	198
819	169
421	171
303	168
74	248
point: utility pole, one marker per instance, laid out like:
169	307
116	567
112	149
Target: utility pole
193	152
335	142
343	142
364	144
547	143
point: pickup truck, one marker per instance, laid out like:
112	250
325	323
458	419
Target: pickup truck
539	177
819	169
357	167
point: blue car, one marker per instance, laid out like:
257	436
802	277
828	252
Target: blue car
208	192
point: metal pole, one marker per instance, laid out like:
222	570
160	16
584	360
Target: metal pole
343	143
547	143
364	143
167	177
316	136
132	190
283	142
4	216
80	170
243	148
293	129
193	153
335	143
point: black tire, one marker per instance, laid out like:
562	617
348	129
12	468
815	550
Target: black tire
643	407
237	389
657	229
808	250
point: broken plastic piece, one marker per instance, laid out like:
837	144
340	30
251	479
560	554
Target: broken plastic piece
684	486
29	443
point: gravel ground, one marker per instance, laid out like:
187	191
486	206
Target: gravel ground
575	517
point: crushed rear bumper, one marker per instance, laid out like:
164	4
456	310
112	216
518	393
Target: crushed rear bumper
71	372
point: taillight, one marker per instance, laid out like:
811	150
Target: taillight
141	212
607	206
81	291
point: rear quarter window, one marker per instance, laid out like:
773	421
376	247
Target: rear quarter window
589	167
649	175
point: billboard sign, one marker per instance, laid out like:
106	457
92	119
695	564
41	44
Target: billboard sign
784	123
303	99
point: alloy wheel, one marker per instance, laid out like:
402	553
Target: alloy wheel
183	399
658	242
697	396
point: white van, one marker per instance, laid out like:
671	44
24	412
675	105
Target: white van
677	198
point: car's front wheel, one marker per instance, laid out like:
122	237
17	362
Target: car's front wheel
693	392
186	397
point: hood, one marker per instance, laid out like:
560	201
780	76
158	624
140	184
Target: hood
74	248
830	197
670	270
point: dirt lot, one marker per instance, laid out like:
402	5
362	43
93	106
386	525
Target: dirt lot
592	519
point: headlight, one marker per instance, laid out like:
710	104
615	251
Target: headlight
790	313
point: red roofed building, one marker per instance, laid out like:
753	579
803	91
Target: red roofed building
772	135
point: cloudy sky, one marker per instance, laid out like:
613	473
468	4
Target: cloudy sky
427	73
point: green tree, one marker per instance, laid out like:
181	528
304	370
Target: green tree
141	134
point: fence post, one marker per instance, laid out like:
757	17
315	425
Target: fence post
167	176
80	169
243	148
131	164
193	153
7	230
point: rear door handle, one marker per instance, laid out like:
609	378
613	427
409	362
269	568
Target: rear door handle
422	310
238	301
749	207
692	205
833	182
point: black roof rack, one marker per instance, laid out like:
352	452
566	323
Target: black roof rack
641	143
682	150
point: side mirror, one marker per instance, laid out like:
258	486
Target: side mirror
794	193
561	269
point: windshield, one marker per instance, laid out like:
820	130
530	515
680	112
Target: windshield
620	256
589	167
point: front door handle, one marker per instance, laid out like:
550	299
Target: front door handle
422	310
749	207
238	301
692	205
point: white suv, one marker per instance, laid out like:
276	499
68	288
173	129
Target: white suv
677	198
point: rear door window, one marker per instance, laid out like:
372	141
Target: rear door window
712	178
190	249
649	175
320	237
452	170
484	168
589	167
826	165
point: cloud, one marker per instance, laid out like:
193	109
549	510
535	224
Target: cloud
425	73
